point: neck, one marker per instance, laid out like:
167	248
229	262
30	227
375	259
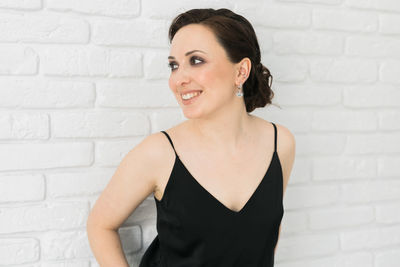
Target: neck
225	130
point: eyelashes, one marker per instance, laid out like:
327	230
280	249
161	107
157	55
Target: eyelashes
192	60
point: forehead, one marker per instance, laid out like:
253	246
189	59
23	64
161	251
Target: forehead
194	36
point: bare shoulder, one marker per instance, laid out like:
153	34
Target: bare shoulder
162	157
286	141
156	149
286	149
132	182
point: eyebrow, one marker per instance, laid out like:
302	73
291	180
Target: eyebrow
188	53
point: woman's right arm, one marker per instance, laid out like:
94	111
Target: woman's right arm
132	182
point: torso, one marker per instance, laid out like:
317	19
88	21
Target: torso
230	179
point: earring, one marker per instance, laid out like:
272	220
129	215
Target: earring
239	92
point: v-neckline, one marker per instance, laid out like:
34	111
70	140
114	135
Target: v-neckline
216	199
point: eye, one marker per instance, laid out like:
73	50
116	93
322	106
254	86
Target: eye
196	58
171	64
192	59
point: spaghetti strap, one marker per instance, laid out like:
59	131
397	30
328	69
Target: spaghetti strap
170	141
275	136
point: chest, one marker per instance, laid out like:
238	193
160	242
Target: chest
230	180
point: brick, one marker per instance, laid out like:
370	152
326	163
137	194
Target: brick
168	10
364	46
18	60
65	245
310	196
294	222
65	263
267	15
369	96
125	64
344	20
146	211
43	29
390	72
384	5
24	125
343	70
308	43
389	23
301	171
76	183
140	32
43	217
302	246
144	95
155	66
98	124
388	166
344	121
52	155
321	144
114	8
130	238
18	250
149	232
295	95
74	61
364	259
389	119
111	153
372	143
264	38
45	94
339	217
389	258
388	212
286	69
11	188
367	191
370	238
21	4
161	119
322	2
337	168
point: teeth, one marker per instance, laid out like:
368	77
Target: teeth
190	95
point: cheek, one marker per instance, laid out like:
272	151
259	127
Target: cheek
172	84
210	77
217	77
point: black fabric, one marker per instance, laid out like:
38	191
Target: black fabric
195	229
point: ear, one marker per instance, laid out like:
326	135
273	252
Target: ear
243	70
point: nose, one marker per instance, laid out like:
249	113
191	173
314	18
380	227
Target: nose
181	76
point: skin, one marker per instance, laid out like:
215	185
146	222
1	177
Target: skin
219	130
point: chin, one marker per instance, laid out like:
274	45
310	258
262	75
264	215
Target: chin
191	114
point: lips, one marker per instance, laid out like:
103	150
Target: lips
191	100
190	91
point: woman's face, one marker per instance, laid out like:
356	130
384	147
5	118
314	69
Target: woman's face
199	62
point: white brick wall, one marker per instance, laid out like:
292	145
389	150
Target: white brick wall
82	82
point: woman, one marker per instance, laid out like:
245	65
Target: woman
219	177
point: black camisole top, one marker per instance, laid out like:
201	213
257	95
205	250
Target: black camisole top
195	229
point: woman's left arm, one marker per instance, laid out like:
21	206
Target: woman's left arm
286	149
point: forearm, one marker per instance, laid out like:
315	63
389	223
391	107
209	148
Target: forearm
106	247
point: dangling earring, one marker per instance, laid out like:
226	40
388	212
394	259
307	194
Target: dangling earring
239	92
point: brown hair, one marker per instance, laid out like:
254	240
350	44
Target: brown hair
238	38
